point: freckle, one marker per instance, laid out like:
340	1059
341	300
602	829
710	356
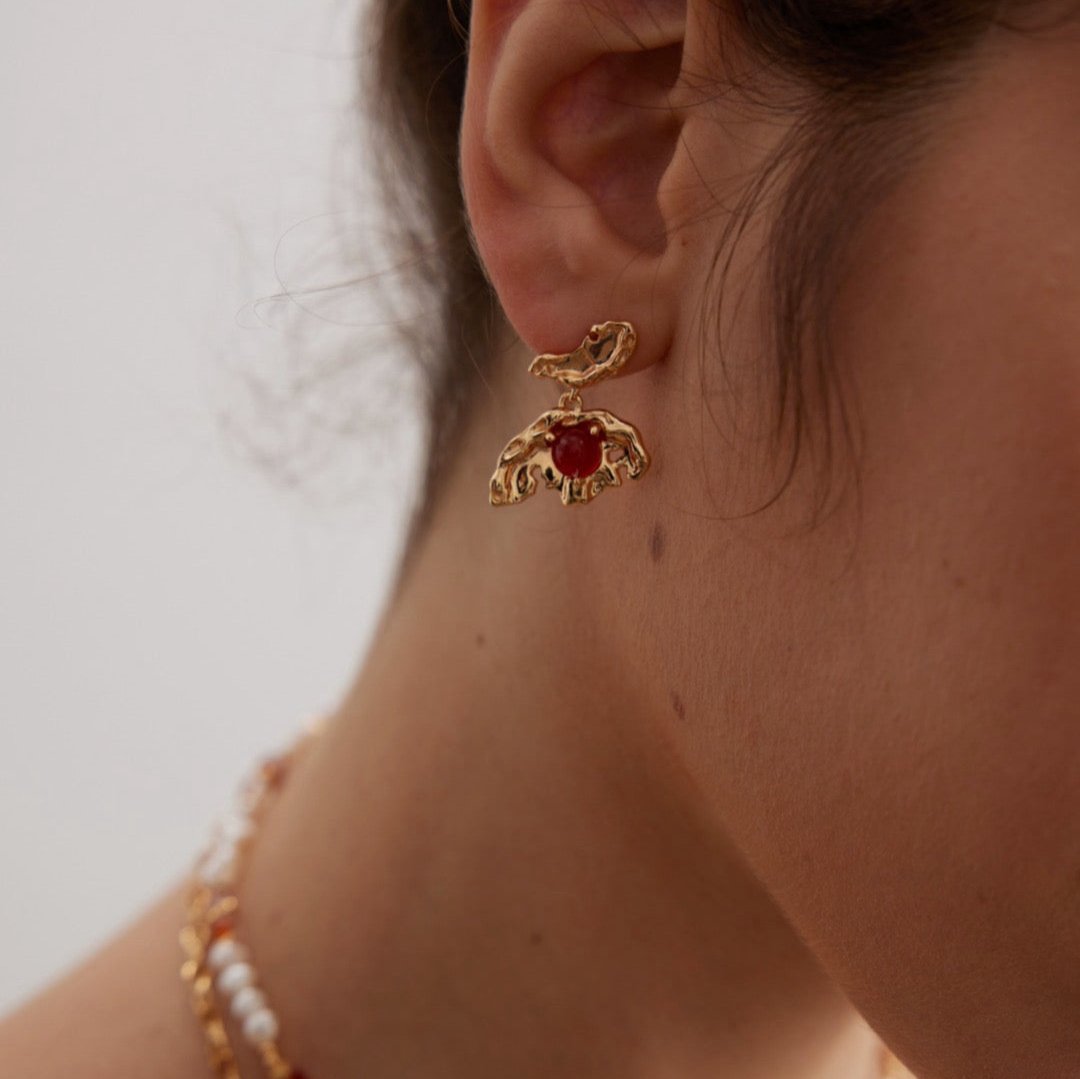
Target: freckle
481	640
677	705
959	582
536	938
656	542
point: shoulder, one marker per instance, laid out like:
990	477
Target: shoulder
123	1013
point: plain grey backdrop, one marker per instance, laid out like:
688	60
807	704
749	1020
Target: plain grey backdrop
169	612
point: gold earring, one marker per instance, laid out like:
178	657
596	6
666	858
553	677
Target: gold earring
580	452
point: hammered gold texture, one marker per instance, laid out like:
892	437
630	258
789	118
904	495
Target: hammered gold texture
602	354
205	908
194	940
530	452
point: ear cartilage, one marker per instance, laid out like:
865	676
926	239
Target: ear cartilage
580	452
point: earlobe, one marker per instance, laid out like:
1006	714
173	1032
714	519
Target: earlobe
568	132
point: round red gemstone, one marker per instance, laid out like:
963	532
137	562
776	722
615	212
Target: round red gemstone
223	927
576	451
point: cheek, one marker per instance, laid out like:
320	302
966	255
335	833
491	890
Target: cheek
895	746
954	742
963	330
961	717
969	386
964	343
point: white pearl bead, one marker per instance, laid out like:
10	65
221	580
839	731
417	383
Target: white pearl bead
248	800
251	791
235	977
235	827
219	866
248	1001
224	952
261	1026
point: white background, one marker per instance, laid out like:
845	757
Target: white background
168	611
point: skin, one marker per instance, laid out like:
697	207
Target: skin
655	787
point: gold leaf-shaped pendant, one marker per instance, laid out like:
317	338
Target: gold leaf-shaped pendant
579	451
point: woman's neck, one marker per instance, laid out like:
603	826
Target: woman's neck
491	864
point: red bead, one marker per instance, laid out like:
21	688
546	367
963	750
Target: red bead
273	771
576	451
223	927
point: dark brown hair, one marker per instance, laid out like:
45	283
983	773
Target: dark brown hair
858	70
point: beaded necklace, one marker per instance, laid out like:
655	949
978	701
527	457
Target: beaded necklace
218	967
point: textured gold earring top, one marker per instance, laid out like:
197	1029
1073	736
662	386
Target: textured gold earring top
603	353
580	453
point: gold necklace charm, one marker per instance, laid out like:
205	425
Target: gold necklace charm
579	451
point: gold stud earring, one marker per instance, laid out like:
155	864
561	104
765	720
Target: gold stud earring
581	452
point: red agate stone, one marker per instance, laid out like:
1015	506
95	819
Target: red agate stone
576	451
223	927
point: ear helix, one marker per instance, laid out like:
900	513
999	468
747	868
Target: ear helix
577	451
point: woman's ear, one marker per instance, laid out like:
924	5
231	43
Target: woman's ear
571	165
